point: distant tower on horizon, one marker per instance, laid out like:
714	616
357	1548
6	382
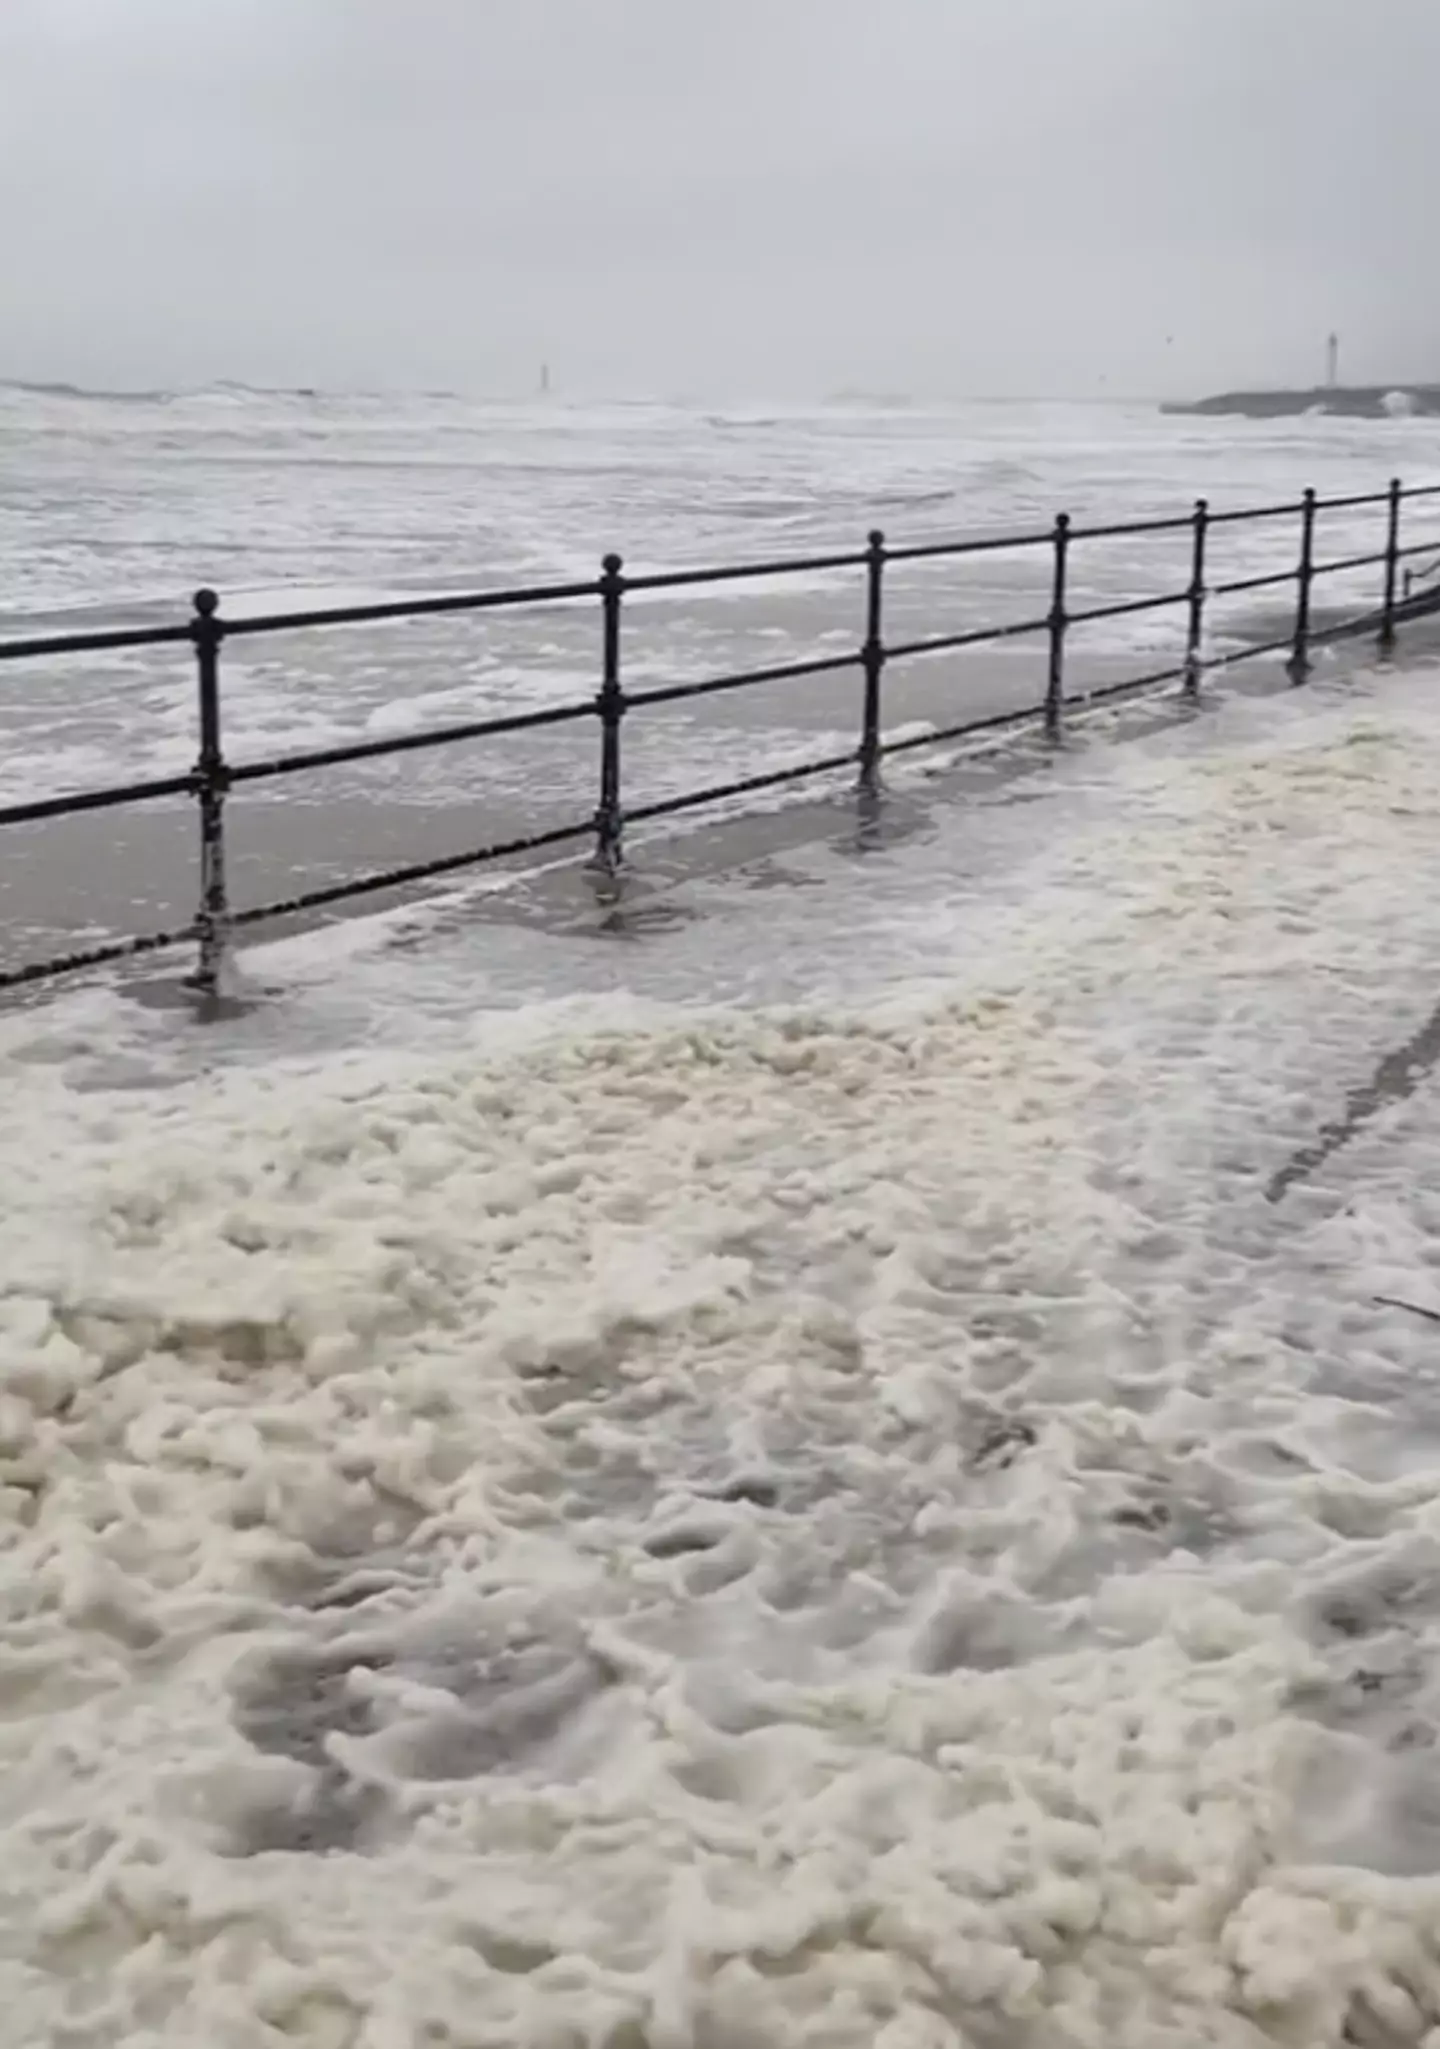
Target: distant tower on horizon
544	380
1332	361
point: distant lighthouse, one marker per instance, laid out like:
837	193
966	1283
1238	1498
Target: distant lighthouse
1332	361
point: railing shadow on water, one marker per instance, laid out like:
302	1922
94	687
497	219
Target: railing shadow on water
214	776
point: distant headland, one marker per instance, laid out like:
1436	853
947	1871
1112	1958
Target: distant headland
1342	401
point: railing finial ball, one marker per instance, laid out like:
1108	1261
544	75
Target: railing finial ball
206	602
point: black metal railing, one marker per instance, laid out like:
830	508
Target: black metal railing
214	776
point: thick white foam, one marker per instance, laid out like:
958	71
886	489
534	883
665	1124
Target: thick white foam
836	1526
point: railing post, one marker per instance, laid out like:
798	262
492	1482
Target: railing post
610	704
872	658
1195	625
212	778
1299	664
1392	568
1055	679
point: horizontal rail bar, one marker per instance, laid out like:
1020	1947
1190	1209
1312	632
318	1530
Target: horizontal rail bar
943	643
1250	653
784	672
423	871
1418	602
770	779
95	642
1430	547
988	544
95	957
1078	699
413	608
408	743
1033	714
414	871
410	608
1421	491
97	800
1349	562
1170	523
1247	515
1346	504
313	899
1362	622
1030	714
993	722
1124	528
741	572
1128	606
1237	584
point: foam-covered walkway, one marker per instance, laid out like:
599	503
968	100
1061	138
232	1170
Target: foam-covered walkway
862	1471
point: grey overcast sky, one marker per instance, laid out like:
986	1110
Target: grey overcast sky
731	197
